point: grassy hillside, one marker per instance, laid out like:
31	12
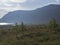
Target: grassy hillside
48	34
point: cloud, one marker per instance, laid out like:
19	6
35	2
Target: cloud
18	1
57	1
12	5
37	3
2	13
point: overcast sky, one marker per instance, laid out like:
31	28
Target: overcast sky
12	5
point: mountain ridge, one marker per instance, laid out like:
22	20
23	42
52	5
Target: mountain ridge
37	16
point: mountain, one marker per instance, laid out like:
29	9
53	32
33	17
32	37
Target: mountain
37	16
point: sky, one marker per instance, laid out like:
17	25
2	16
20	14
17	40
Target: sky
13	5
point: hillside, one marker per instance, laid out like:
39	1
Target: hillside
37	16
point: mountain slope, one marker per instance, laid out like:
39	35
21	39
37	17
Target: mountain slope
40	15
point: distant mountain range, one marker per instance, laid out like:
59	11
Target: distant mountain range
37	16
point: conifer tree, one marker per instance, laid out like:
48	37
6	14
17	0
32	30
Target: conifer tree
53	24
22	26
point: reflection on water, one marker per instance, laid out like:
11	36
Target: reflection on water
6	23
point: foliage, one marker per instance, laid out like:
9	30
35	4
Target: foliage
31	34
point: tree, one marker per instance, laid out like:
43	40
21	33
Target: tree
52	24
15	27
22	26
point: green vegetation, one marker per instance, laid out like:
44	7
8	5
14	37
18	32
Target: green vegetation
31	34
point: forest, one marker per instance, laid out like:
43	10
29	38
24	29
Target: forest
23	34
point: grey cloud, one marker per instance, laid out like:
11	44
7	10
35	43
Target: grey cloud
36	3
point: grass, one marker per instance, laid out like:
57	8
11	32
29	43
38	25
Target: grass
31	35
